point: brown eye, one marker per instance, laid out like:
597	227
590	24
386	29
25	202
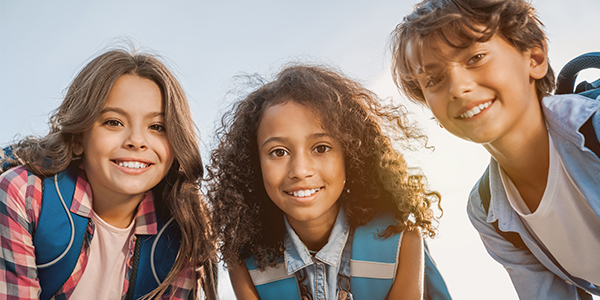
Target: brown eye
322	149
476	58
113	123
278	152
157	127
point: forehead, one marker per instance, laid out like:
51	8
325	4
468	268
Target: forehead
135	94
432	53
287	117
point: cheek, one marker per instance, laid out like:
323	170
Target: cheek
271	176
165	151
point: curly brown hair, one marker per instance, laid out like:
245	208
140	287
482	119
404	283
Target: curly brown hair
247	221
177	194
460	24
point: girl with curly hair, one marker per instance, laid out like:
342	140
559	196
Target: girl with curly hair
122	159
308	192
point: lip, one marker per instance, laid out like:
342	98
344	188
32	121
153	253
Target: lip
131	171
471	106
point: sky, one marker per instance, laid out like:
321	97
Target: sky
43	44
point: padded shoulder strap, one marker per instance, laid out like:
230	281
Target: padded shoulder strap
274	282
589	132
374	259
485	195
435	286
59	233
484	190
157	256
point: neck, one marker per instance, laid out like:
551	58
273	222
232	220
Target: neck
523	154
314	233
117	212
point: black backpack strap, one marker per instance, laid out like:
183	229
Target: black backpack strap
485	195
565	81
484	190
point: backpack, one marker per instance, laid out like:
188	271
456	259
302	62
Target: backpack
373	264
58	240
564	85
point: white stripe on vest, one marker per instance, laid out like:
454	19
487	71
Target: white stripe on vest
270	274
371	269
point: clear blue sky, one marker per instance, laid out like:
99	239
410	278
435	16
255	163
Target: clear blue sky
43	44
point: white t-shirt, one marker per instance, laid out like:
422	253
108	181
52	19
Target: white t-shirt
564	221
104	274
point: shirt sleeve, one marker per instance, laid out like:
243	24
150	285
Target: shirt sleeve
19	208
531	279
185	285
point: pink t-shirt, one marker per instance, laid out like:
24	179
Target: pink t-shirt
105	272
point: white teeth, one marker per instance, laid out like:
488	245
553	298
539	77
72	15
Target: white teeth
133	165
475	110
304	193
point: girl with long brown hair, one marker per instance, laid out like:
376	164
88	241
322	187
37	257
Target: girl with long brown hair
125	139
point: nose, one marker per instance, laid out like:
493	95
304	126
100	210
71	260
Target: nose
136	139
460	82
301	166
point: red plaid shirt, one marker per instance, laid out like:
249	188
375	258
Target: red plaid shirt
20	205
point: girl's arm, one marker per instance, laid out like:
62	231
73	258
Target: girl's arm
242	283
17	256
409	276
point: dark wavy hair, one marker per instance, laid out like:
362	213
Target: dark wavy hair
247	221
460	24
180	196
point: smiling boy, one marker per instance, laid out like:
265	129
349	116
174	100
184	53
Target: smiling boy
482	68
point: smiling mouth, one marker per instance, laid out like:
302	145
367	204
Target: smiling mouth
132	164
475	110
304	193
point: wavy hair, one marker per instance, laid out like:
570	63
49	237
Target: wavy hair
460	24
247	221
178	193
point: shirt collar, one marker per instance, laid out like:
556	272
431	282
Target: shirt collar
145	219
297	255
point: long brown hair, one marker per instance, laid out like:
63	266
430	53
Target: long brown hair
461	23
180	196
377	175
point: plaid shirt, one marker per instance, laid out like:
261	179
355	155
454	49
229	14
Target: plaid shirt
20	205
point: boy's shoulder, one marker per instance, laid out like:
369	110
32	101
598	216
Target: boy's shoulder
577	102
568	113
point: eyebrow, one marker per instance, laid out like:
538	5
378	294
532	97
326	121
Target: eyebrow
282	139
123	112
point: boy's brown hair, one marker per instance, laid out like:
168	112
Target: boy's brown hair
460	24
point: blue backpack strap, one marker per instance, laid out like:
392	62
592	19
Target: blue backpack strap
157	256
374	259
274	282
435	286
59	234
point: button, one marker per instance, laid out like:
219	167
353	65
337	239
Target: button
568	282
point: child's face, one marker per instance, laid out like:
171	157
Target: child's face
484	92
126	152
302	165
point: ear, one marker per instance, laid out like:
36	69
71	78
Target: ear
77	148
538	62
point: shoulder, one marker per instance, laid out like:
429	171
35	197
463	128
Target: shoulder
570	109
15	183
20	195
